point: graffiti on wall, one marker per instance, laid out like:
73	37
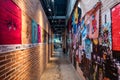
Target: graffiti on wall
84	30
94	25
105	33
10	23
88	48
74	25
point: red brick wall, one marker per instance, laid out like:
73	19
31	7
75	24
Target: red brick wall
27	64
23	65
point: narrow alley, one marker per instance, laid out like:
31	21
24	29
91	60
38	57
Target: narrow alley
60	68
59	39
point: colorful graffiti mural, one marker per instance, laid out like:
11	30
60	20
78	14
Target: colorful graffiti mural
105	33
97	54
88	48
94	25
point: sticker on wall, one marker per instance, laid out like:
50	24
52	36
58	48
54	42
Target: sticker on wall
76	15
34	32
94	25
84	32
106	29
88	47
10	23
83	29
39	33
95	41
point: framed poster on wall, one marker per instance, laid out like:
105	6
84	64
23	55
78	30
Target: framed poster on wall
34	32
116	27
39	33
10	23
105	32
94	25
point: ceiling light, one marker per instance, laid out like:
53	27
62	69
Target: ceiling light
49	9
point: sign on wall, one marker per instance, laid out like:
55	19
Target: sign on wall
39	33
105	32
34	32
116	27
94	25
10	23
88	48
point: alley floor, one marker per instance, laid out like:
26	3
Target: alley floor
59	68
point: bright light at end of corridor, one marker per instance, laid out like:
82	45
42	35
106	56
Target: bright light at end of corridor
52	0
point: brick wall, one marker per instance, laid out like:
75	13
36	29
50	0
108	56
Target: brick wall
23	65
27	64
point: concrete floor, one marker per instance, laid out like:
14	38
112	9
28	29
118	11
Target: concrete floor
60	68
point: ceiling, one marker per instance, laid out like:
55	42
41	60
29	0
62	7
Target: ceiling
56	12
